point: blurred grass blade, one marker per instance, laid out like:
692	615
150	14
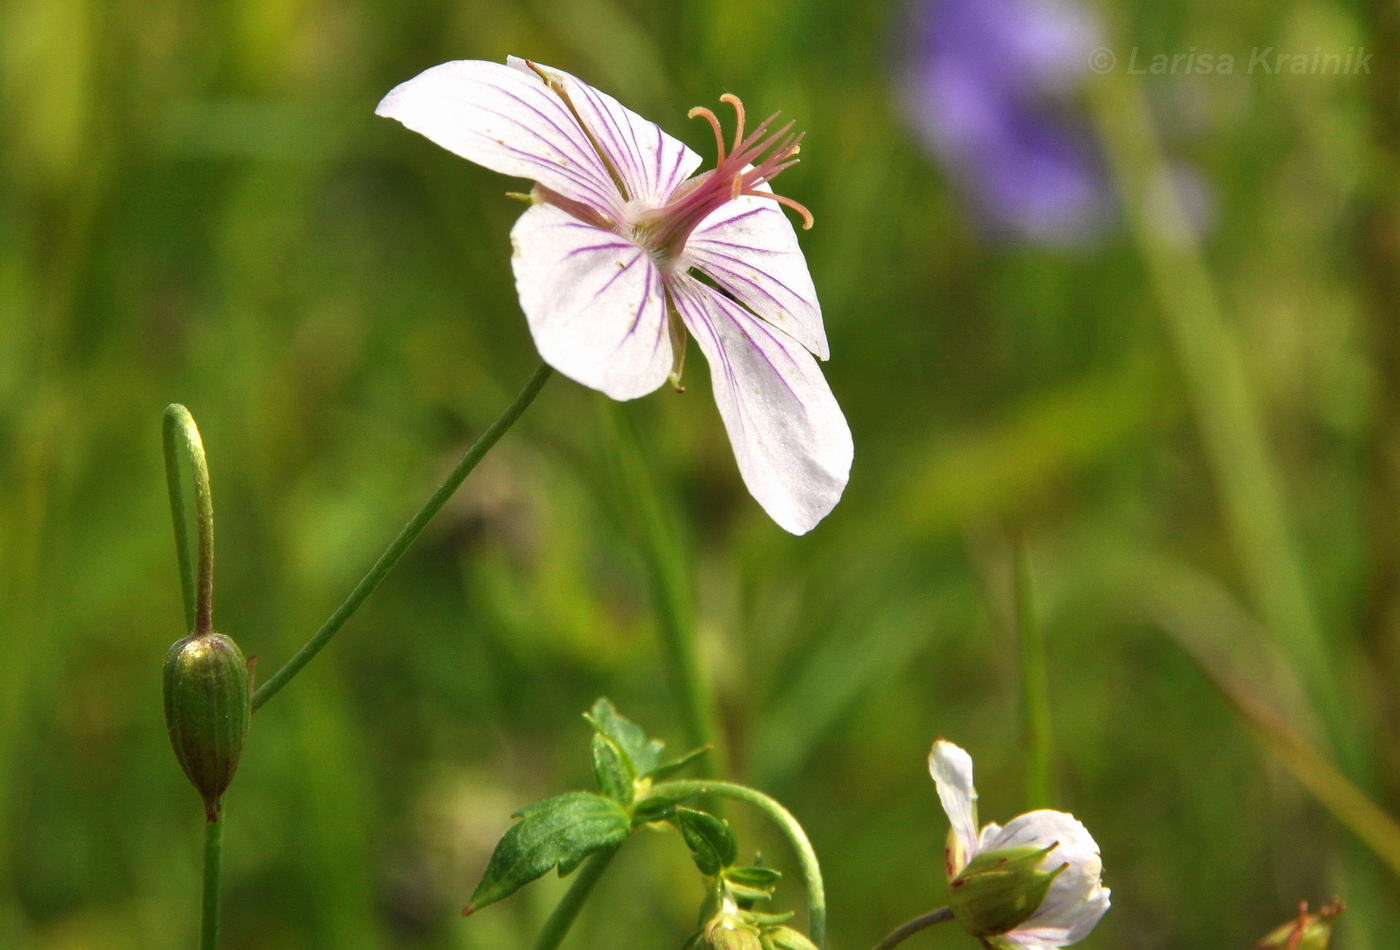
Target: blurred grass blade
1213	368
1347	803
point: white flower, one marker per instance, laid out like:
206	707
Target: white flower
1076	898
623	251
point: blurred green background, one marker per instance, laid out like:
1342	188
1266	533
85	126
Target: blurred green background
198	205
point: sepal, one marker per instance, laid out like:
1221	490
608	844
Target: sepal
1001	889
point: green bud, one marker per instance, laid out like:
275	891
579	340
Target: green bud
999	890
207	712
785	938
729	932
1304	932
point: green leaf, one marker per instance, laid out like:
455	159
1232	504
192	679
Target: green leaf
659	807
666	769
557	832
751	884
613	770
643	753
712	842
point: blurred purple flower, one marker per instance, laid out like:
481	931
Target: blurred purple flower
988	86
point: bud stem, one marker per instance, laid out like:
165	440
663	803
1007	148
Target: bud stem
406	537
213	872
904	931
181	436
780	816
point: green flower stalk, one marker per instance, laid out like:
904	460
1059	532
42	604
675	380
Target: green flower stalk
207	695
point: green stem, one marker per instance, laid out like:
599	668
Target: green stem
780	816
567	909
1035	689
406	537
670	584
905	931
213	872
181	437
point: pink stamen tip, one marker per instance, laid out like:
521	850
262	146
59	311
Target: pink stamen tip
734	101
710	117
807	219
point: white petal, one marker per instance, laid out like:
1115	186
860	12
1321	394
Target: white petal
594	302
749	248
507	120
1077	897
650	163
789	436
951	768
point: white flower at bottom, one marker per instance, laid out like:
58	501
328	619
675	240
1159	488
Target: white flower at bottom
1075	899
625	249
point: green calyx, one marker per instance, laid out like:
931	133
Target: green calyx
999	890
207	712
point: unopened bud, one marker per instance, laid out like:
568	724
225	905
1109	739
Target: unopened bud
1306	931
728	931
785	938
999	890
207	712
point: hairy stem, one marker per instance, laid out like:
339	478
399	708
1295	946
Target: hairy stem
213	873
181	437
567	910
406	537
780	816
904	931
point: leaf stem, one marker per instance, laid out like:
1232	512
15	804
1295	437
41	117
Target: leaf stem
904	931
567	910
405	539
670	584
181	437
213	873
780	816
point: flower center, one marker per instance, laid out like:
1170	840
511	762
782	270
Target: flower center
743	169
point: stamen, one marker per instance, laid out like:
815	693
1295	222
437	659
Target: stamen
557	87
807	219
734	101
710	117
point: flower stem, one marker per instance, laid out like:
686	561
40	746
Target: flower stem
780	816
904	931
567	910
406	537
1035	689
670	584
181	437
213	872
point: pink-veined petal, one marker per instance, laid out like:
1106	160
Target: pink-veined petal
650	163
790	439
507	121
749	247
951	768
594	302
